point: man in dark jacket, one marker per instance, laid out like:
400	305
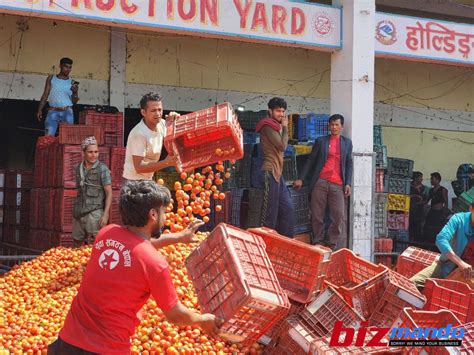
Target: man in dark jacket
330	168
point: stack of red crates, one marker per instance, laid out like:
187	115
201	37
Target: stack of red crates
55	180
16	205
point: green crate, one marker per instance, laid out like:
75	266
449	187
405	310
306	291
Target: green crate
464	201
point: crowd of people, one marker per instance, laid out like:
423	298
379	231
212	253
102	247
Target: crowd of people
429	210
123	260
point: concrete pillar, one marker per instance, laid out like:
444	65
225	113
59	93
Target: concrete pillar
352	95
118	55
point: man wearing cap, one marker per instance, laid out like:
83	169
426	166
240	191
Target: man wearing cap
94	196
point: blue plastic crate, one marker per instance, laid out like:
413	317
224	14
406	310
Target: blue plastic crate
381	159
243	167
290	172
378	135
397	185
462	172
248	119
311	126
290	150
300	201
254	217
401	240
380	215
236	196
400	167
232	181
251	138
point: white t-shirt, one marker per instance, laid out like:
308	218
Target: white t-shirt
145	143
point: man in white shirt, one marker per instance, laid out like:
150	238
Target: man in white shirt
145	141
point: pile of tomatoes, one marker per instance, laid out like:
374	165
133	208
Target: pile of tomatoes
35	296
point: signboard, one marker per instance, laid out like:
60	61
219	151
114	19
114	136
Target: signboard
424	39
283	22
291	23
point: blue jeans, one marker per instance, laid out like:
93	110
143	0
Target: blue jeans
54	118
277	209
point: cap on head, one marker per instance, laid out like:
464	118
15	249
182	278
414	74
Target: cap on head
87	142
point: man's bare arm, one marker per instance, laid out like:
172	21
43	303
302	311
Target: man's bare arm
44	97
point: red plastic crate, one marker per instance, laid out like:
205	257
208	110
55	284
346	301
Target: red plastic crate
63	209
117	161
195	138
384	260
59	239
454	296
398	220
17	216
34	207
75	134
329	307
399	293
321	346
300	268
295	309
50	204
359	281
19	179
413	260
234	279
40	239
467	346
50	174
383	245
411	318
294	338
111	122
115	217
38	172
379	180
17	198
18	235
113	139
68	158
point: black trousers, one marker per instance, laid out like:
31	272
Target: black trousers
60	347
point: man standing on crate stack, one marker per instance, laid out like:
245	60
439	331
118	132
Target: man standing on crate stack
456	244
145	141
330	168
94	197
277	209
61	93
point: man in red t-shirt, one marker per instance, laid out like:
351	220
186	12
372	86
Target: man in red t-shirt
330	168
124	270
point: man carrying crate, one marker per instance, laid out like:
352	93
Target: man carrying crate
94	197
456	244
145	141
277	209
123	271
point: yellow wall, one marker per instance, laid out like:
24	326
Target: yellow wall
424	84
432	150
43	44
226	65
